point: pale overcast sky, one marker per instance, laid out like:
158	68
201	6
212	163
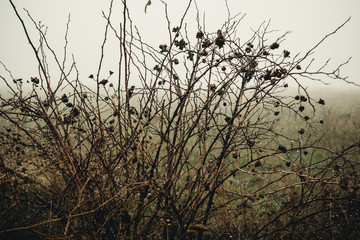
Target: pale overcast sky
308	20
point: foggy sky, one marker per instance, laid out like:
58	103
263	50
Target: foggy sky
307	20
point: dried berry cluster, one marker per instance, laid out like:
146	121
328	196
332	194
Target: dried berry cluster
180	44
220	40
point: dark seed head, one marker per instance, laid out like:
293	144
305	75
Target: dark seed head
228	119
306	118
220	40
176	29
35	80
212	87
298	67
199	34
321	101
274	46
301	131
103	82
64	98
282	149
206	43
303	98
288	164
286	53
301	108
258	164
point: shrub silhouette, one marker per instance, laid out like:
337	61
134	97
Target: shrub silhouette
191	150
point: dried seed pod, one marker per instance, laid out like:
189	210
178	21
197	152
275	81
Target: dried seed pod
157	68
303	98
275	45
268	75
286	53
212	87
103	82
176	29
220	40
282	149
180	44
199	34
64	98
206	43
35	80
75	112
228	119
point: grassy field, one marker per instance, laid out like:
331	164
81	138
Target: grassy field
281	196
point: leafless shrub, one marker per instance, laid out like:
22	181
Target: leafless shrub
193	149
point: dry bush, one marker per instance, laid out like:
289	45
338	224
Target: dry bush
192	149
